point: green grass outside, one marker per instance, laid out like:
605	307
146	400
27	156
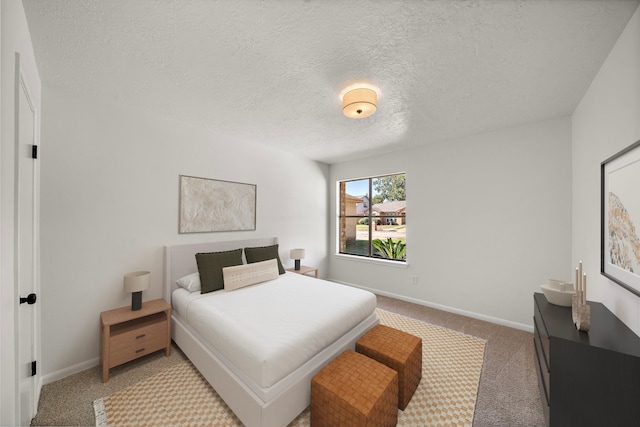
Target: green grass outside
363	227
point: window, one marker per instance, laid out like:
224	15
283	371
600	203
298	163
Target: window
372	217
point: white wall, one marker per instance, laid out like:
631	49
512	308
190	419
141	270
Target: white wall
15	39
490	216
606	121
110	204
488	221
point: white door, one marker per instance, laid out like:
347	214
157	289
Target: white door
26	239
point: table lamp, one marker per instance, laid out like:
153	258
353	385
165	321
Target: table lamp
297	255
135	283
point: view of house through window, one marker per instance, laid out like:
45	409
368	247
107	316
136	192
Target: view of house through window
372	217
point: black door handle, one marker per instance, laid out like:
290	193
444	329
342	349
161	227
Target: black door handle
30	299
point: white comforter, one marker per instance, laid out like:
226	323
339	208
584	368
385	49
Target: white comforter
270	329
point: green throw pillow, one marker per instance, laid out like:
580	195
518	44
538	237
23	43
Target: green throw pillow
263	253
210	267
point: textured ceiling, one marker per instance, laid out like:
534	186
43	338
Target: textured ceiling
270	72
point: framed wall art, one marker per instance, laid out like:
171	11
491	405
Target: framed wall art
620	216
211	205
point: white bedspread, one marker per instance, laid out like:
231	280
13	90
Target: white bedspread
270	329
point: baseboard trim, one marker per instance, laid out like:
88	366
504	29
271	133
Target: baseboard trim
491	319
63	373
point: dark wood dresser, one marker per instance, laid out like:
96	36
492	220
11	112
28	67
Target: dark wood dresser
586	378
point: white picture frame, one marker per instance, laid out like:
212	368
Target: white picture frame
211	205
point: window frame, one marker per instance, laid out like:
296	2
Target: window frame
342	218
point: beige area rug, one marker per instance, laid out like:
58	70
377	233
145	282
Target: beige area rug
180	396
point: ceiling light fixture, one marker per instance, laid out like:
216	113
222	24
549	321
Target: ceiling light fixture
359	100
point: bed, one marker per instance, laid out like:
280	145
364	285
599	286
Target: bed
269	385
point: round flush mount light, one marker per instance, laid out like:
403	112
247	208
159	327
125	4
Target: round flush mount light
359	100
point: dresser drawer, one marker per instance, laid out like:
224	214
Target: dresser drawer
542	342
537	314
540	330
543	374
543	386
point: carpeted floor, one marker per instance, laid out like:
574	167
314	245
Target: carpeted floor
451	367
507	396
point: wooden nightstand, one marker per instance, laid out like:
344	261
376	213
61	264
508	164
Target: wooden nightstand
305	269
126	335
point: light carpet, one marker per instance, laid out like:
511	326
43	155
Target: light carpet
180	396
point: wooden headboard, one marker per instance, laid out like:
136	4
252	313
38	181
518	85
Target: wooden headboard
180	260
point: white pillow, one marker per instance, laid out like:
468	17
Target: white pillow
239	276
190	282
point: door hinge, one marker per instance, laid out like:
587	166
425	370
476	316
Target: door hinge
33	368
34	151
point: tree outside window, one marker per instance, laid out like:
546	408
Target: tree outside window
372	217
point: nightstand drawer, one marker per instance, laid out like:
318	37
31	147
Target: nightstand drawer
123	354
138	337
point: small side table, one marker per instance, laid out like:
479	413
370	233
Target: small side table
126	335
305	269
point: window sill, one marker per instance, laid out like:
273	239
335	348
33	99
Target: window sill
386	263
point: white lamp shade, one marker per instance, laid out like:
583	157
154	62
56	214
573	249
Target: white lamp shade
297	254
359	103
137	281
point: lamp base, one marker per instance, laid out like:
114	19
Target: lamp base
297	265
136	300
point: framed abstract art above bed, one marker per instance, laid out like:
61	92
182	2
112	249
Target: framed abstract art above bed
210	205
620	216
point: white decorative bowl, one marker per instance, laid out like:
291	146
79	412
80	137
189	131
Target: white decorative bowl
558	292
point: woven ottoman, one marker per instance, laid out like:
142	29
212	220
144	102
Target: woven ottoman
354	391
398	350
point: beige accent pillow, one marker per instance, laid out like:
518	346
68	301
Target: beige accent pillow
239	276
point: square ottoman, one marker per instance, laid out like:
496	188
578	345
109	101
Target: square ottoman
354	391
398	350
